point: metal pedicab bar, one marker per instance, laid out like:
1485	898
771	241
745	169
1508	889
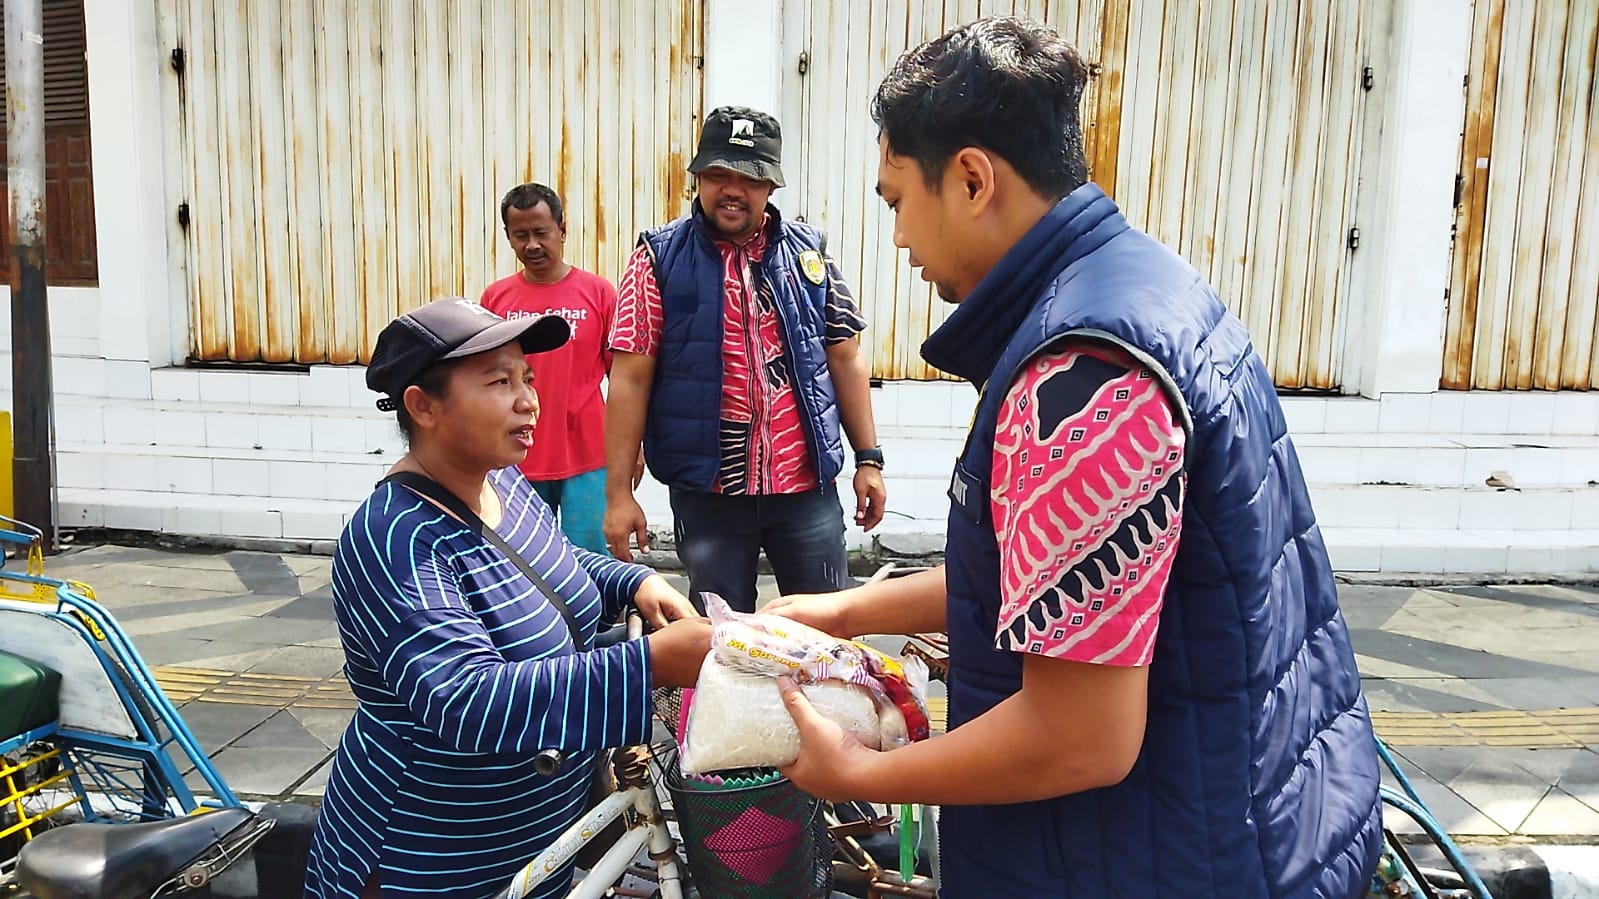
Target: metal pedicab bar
138	692
1410	803
15	793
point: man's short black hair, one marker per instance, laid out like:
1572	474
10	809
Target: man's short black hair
1007	85
526	196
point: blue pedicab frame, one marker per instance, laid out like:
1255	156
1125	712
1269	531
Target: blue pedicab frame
1406	800
148	777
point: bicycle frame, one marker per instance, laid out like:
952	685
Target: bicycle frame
648	828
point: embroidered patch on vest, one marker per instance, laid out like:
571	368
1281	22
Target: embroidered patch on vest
810	262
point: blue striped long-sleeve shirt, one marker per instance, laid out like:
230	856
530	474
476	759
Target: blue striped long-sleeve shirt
463	671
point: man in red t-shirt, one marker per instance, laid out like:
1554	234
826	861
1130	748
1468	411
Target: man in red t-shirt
567	461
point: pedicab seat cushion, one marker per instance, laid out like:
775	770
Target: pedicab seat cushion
30	695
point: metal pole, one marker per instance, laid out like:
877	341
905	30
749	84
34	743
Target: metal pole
31	393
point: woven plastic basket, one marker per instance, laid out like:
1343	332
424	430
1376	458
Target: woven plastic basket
752	836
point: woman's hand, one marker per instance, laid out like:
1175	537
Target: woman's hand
660	603
677	651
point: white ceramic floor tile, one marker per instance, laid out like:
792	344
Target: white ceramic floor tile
1532	412
1476	559
1447	413
1305	415
1577	412
1535	560
1429	509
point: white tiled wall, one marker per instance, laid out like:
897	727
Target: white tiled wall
74	321
1397	483
1448	412
1435	509
293	433
175	384
241	477
1463	552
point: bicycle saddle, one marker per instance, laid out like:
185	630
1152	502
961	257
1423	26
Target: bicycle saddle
120	861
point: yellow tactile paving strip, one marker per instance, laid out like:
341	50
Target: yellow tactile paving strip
1546	729
276	690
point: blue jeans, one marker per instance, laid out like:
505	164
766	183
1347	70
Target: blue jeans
720	539
579	502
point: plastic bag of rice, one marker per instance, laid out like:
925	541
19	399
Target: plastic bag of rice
736	717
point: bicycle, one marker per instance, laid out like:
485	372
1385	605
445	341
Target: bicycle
634	801
652	827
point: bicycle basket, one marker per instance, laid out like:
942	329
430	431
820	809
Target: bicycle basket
669	708
752	837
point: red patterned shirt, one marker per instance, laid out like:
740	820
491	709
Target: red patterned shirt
763	448
1087	501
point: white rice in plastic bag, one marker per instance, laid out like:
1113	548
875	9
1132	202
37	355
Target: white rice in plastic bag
737	719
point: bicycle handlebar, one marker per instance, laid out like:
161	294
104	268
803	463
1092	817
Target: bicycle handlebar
548	761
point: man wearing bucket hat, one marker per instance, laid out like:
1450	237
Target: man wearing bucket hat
736	364
463	615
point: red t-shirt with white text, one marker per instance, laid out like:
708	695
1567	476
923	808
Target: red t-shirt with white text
569	438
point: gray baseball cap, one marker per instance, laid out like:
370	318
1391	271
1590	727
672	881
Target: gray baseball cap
450	329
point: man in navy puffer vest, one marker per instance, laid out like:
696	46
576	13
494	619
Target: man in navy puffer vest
736	361
1152	690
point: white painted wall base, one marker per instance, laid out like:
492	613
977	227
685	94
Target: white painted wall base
1399	484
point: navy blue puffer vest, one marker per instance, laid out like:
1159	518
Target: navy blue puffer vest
681	428
1258	776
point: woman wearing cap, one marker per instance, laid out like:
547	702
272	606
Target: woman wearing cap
465	667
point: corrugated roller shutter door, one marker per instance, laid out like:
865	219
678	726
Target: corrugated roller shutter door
1524	299
1231	132
346	162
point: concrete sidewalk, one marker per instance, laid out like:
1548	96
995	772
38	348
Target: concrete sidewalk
1489	695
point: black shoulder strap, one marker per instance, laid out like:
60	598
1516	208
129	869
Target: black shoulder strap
431	489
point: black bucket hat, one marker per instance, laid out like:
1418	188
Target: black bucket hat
450	329
745	140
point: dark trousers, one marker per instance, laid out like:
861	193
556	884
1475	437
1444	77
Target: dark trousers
720	539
